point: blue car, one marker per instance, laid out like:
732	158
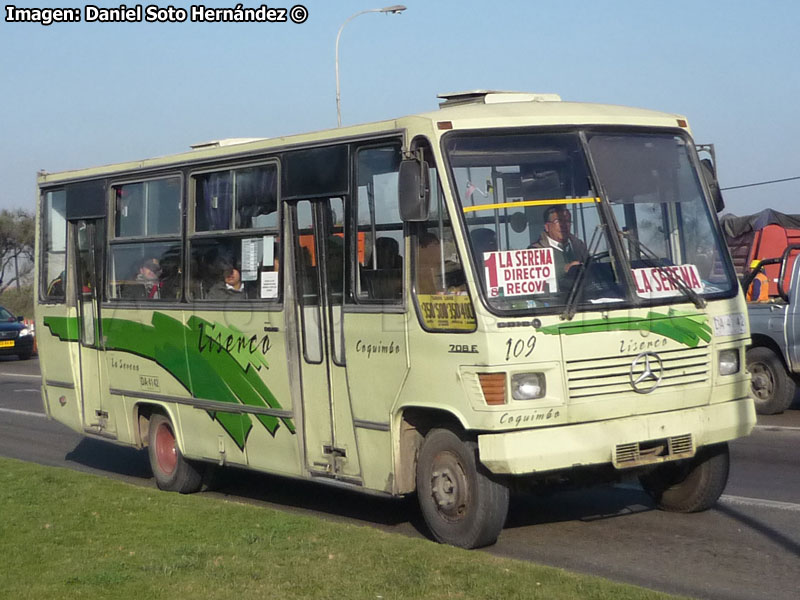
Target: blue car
15	336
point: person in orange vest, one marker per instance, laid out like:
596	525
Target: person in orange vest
759	288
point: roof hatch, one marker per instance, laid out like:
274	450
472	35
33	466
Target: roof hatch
493	97
222	143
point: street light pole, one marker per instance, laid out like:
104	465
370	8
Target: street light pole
394	10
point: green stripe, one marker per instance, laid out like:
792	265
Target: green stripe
687	329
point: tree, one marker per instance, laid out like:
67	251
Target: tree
17	235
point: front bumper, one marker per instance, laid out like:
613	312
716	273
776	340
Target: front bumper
22	345
600	442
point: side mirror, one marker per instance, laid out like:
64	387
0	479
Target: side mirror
20	319
414	190
710	175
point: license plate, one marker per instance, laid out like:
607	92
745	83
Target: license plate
733	324
7	344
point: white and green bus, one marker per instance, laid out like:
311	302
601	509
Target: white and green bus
504	292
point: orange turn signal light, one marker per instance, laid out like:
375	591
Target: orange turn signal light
494	388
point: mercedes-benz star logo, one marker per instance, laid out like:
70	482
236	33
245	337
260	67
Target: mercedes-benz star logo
646	372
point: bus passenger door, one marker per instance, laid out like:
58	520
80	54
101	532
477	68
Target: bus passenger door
318	252
88	239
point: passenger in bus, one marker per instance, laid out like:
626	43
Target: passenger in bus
483	240
429	261
387	253
385	281
56	287
568	250
334	260
230	288
147	283
171	275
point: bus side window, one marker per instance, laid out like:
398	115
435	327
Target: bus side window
381	243
438	268
234	237
148	208
144	254
145	271
53	283
221	268
438	273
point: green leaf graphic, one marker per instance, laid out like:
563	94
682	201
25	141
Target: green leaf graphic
687	329
211	361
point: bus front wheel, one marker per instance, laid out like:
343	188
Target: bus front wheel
461	505
690	485
172	472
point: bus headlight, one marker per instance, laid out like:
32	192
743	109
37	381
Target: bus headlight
528	386
728	362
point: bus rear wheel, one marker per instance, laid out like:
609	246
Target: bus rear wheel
461	505
690	485
172	472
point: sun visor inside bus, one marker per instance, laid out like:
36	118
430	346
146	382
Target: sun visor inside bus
316	172
631	167
86	200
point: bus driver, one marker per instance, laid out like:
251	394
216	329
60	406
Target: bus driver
568	249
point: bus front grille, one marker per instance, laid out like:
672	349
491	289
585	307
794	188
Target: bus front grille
636	454
606	376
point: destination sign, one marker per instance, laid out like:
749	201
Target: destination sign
520	272
661	282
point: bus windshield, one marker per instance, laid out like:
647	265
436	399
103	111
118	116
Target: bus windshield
543	226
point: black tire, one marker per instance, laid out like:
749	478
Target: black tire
771	386
25	356
691	485
461	505
172	472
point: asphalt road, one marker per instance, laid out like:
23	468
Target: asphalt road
748	547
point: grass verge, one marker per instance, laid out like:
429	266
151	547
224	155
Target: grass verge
65	534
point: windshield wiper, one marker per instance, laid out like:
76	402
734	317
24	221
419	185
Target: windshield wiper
652	259
577	286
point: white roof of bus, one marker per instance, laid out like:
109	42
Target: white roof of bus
476	109
542	109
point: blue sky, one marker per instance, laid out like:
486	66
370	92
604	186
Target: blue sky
85	94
